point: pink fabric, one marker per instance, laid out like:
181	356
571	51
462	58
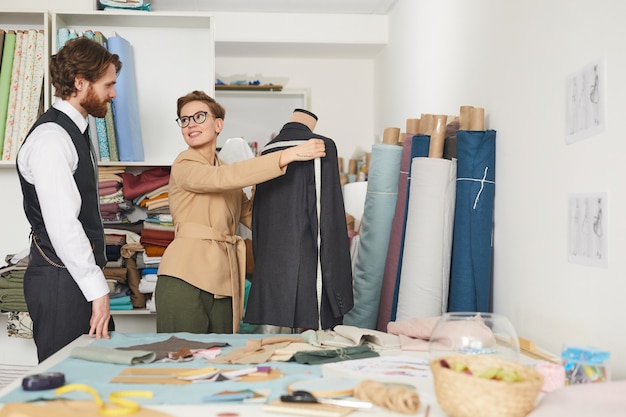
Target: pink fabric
602	399
107	190
420	328
415	333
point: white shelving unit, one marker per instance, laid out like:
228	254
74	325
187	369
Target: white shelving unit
174	53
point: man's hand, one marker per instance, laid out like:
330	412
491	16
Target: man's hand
100	316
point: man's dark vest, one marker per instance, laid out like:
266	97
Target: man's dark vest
87	183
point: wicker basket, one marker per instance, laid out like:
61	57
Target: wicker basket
462	395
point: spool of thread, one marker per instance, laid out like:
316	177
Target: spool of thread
391	135
340	164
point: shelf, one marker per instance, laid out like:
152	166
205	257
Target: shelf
173	54
246	87
134	312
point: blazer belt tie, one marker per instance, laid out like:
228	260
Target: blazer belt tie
236	250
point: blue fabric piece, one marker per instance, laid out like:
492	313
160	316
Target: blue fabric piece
125	106
470	275
98	375
380	203
420	145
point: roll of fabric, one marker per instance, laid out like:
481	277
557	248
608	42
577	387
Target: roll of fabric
14	95
26	88
380	203
425	274
417	146
8	52
125	105
470	275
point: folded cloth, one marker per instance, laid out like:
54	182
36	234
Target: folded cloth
317	357
417	327
174	344
257	350
107	355
343	336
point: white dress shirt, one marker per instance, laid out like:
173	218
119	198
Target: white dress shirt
48	159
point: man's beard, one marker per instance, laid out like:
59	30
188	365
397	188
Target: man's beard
93	105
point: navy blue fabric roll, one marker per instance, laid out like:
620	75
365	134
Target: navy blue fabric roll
472	247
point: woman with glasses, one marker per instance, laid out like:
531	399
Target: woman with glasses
201	280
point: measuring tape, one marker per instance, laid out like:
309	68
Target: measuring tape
122	406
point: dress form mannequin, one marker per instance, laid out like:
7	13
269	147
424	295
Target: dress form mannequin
287	252
305	117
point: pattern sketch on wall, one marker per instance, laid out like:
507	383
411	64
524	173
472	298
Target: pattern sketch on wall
585	98
588	229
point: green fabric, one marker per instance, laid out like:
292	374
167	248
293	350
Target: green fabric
317	357
12	299
5	81
182	307
102	354
11	283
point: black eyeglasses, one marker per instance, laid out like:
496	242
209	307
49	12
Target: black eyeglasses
199	118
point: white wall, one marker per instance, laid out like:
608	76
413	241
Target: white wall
513	59
341	93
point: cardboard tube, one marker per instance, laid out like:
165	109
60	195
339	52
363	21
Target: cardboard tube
465	116
477	119
340	164
390	135
437	137
352	166
412	126
401	138
426	124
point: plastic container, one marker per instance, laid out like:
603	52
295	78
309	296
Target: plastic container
585	364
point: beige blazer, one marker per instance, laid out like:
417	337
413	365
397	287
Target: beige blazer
207	203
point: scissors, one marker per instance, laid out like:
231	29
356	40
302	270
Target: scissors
302	396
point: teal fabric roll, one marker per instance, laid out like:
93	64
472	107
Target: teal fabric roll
380	204
125	106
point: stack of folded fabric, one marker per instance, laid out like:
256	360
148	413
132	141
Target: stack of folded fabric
121	270
114	207
12	295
